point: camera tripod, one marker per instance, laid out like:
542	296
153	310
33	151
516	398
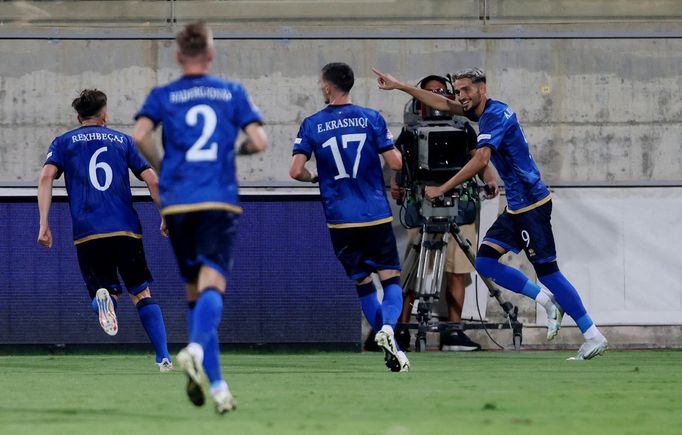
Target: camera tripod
435	235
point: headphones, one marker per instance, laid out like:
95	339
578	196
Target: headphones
446	81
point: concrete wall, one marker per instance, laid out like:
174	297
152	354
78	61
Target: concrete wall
594	110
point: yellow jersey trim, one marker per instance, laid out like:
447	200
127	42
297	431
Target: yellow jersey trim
361	224
543	201
104	235
188	208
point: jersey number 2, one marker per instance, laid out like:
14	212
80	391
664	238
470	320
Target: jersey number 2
336	153
197	152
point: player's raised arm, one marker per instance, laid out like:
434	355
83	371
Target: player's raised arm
142	135
387	82
47	177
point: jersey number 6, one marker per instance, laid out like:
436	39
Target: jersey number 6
93	166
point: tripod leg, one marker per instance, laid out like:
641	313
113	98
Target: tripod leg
509	309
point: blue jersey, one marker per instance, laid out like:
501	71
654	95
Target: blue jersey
201	117
347	140
500	130
95	162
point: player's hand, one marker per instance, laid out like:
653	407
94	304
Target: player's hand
396	191
163	228
45	236
491	189
387	81
432	192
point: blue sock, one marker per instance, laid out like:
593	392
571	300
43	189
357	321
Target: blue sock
568	298
212	360
392	304
207	314
93	304
370	304
152	320
508	277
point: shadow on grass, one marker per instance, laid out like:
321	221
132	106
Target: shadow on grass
50	414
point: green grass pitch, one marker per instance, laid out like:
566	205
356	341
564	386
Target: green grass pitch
637	392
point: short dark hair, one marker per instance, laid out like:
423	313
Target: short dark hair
339	74
89	103
441	80
194	39
476	75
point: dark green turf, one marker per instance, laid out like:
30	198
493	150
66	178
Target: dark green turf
350	393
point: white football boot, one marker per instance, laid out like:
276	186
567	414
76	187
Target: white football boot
165	366
191	362
591	348
555	315
386	341
106	312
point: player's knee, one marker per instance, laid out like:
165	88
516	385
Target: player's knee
210	277
487	260
545	269
387	274
143	302
144	294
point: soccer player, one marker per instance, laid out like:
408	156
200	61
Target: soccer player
201	116
106	229
347	141
526	222
457	266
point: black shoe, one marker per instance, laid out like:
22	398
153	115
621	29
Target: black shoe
403	338
194	392
370	345
458	342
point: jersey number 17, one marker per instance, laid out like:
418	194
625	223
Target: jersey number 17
336	152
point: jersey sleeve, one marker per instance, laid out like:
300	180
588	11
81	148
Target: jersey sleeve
152	108
136	163
55	157
491	130
383	135
302	144
246	111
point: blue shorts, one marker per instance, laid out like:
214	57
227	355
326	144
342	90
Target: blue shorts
102	260
530	231
363	250
202	238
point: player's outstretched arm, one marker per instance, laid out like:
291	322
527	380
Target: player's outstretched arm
387	82
256	139
489	177
47	177
477	163
142	135
298	171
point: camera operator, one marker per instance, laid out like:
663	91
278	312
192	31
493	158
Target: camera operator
458	268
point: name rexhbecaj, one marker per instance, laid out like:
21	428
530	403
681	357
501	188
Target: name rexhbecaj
84	137
184	95
341	123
